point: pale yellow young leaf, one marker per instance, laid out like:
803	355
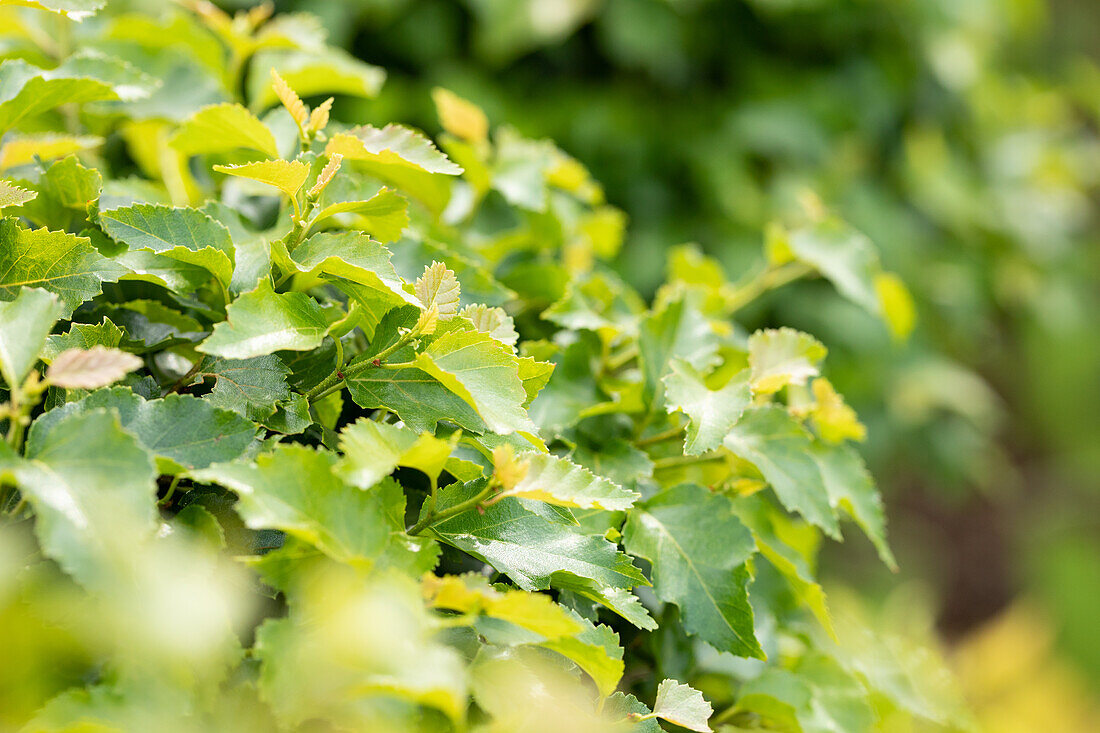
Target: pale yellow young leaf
439	287
96	367
493	321
293	103
507	469
783	356
459	116
12	195
318	118
834	419
326	175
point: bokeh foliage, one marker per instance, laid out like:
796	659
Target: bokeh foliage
960	135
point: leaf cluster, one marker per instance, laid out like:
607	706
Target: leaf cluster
332	425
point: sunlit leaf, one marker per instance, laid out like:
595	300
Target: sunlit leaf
221	128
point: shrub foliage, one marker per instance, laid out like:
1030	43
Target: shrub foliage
319	426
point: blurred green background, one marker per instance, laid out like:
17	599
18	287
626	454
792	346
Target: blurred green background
961	135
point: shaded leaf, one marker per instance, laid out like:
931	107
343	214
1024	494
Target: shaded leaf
249	387
181	431
82	336
24	325
851	488
782	450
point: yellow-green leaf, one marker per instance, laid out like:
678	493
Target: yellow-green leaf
285	175
223	127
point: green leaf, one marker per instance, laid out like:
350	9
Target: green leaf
64	264
400	157
248	387
362	655
295	489
783	356
285	175
619	600
851	488
27	91
843	255
263	322
534	375
221	128
181	234
355	259
782	450
595	650
76	10
93	492
774	532
698	549
682	705
384	216
484	373
527	547
415	396
82	336
24	325
711	413
12	195
677	331
817	697
181	431
65	193
313	73
559	481
372	450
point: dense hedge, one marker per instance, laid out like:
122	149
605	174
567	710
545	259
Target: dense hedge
316	426
959	134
